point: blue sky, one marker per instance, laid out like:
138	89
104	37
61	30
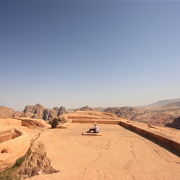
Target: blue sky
97	53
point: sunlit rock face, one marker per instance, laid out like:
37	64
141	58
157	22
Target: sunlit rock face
85	108
40	112
6	112
166	115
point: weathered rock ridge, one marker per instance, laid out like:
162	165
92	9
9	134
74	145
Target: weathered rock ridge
85	108
36	162
40	112
33	111
6	112
175	123
162	116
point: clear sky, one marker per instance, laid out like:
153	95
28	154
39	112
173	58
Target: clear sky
97	53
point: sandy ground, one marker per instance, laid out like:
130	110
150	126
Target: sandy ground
117	155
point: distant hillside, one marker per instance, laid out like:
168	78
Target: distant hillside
6	112
155	115
164	102
174	104
124	112
85	108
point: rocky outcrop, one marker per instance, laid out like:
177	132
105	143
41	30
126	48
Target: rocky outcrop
33	123
150	115
36	162
6	112
85	108
14	145
40	112
36	111
17	114
50	114
62	110
124	112
154	118
33	111
175	123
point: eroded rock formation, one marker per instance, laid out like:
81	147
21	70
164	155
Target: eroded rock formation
6	112
36	111
85	108
152	115
175	123
36	162
124	112
40	112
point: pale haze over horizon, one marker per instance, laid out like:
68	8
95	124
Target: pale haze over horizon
96	53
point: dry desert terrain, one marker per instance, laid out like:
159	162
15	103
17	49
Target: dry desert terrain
118	154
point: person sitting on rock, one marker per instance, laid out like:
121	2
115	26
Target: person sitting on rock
94	129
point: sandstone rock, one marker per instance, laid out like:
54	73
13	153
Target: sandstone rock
18	114
34	111
6	112
51	114
33	123
124	112
39	112
37	162
151	115
113	110
62	110
85	108
175	123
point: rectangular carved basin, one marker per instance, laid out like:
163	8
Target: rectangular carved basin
8	134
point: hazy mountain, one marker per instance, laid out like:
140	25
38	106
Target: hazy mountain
85	108
164	102
174	104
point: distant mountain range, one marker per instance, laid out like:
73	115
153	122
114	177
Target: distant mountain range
164	102
164	112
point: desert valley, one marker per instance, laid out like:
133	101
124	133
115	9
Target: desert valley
134	143
89	90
